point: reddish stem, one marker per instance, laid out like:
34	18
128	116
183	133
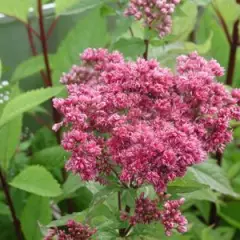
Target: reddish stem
16	222
145	54
233	54
223	23
34	51
51	28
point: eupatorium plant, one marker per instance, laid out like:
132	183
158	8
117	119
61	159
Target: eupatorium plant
144	124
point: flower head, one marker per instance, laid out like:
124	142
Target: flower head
155	13
142	120
75	231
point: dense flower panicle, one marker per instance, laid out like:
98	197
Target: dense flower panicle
147	211
143	120
155	13
75	231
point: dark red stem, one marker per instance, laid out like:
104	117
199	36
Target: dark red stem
16	222
44	43
145	54
56	116
233	54
51	28
223	23
34	50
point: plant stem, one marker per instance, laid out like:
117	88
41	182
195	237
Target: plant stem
51	28
128	230
34	50
223	23
56	116
145	54
44	44
119	201
16	222
233	54
234	41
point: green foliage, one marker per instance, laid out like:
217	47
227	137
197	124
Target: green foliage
11	135
29	67
15	8
79	6
43	138
133	47
209	173
36	211
26	101
37	180
53	157
230	213
83	35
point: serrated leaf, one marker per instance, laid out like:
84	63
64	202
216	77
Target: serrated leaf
15	8
209	173
29	67
37	180
53	157
133	47
37	210
26	101
78	39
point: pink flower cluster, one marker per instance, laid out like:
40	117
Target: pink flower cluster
156	13
141	120
75	231
171	217
147	211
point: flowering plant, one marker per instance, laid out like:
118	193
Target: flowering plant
144	134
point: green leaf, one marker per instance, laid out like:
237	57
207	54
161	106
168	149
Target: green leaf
26	101
122	26
29	67
186	184
4	209
85	34
53	157
79	6
15	8
80	216
43	138
72	184
37	180
209	173
0	69
184	24
37	210
133	47
202	194
230	213
11	134
129	197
